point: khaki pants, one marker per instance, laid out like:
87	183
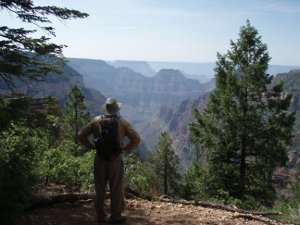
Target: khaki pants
113	172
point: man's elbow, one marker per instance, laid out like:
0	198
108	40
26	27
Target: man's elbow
137	141
81	137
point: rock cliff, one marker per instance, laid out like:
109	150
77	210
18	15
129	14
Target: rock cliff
177	122
292	85
59	86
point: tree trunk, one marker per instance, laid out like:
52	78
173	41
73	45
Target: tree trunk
76	121
166	174
243	151
242	169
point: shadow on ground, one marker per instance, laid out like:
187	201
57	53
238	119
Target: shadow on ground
78	214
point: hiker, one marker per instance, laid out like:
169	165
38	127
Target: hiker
108	164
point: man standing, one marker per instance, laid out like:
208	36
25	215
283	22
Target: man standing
108	164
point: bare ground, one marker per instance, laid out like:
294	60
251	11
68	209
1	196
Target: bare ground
140	212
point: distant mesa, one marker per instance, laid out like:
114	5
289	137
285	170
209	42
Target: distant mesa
202	71
138	66
170	73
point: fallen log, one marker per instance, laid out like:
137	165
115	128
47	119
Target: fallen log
201	203
219	206
251	217
43	201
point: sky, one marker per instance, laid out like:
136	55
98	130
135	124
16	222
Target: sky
173	30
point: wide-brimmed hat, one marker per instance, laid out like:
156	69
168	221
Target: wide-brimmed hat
111	106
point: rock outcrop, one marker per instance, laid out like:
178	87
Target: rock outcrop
177	120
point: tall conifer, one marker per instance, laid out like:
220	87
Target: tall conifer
76	114
165	162
246	125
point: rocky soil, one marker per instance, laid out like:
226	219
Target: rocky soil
141	212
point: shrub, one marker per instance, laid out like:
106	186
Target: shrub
137	176
290	206
16	163
194	187
60	166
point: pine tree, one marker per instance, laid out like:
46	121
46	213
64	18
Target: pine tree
12	110
246	125
22	54
76	114
21	123
53	114
165	162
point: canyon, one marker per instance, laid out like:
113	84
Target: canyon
158	101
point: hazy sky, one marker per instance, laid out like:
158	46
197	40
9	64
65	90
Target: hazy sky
174	30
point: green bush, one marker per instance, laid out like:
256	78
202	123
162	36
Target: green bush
86	176
194	187
17	157
137	176
60	166
293	206
290	206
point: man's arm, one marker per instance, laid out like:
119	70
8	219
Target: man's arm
133	136
84	134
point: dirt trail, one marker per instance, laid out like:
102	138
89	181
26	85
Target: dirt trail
138	212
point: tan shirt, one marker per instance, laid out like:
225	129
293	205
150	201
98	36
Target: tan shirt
85	136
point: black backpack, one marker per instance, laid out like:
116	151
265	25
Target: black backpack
106	142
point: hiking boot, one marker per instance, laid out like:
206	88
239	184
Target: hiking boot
119	219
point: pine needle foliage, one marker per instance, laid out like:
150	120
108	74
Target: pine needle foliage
23	55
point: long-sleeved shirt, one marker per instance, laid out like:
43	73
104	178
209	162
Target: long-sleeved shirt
85	136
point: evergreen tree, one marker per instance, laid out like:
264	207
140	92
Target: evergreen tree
20	129
53	113
17	160
50	131
194	182
246	125
76	115
22	54
165	162
12	110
